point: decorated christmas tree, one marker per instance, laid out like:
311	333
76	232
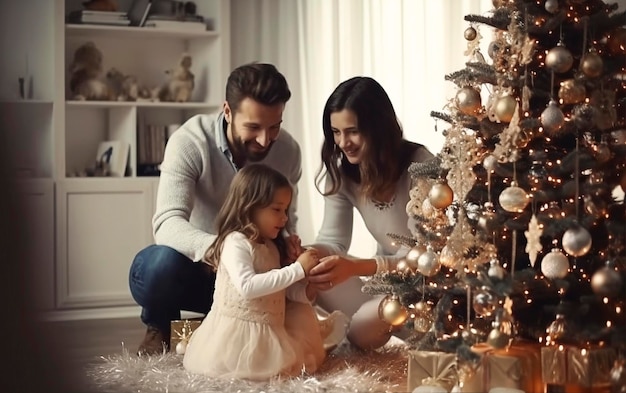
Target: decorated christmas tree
519	229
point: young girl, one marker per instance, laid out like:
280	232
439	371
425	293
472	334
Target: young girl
248	333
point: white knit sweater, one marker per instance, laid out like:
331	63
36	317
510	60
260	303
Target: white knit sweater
195	176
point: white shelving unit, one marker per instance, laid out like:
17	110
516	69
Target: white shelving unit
96	224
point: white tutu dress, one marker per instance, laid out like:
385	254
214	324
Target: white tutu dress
252	331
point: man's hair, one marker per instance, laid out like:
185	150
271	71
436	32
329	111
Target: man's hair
259	81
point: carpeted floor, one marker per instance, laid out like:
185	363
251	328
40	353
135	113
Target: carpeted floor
345	370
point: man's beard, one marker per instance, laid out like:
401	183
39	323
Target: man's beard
245	149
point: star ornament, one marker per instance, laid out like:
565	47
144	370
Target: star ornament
533	237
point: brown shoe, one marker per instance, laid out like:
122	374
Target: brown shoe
155	342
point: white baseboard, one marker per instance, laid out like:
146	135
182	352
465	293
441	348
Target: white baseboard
103	313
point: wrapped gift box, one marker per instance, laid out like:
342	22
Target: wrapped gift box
516	367
574	368
431	368
181	332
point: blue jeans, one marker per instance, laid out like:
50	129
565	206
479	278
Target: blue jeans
164	282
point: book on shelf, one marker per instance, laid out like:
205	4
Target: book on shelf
99	18
175	25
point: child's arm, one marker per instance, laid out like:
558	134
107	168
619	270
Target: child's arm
302	291
236	258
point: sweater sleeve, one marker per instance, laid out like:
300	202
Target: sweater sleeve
180	171
237	259
335	234
297	292
294	177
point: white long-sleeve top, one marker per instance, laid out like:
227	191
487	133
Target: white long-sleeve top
237	258
196	173
335	234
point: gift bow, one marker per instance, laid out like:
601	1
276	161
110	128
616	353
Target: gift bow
441	370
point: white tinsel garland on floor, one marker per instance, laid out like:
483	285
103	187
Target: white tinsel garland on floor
345	370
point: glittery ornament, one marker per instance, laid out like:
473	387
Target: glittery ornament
413	255
449	257
470	34
552	6
617	376
505	107
440	195
495	270
552	118
576	241
606	282
558	328
428	263
468	101
427	208
513	198
559	59
393	312
555	264
572	91
423	317
537	174
484	302
592	65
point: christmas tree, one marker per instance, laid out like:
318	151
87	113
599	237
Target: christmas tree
518	229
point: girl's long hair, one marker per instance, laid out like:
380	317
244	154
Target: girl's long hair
386	155
253	187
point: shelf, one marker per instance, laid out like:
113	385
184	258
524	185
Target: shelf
83	30
25	102
143	104
110	179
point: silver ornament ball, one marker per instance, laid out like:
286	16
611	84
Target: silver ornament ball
606	282
576	241
470	34
559	59
513	199
428	263
552	118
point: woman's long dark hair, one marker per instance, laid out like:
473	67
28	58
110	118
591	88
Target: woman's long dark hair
253	187
386	154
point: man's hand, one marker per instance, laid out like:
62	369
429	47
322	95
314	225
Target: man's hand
331	271
294	247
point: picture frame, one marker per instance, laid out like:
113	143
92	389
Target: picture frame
113	154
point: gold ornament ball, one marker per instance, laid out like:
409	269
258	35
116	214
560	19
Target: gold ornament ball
468	101
497	339
555	264
576	241
606	282
449	257
413	255
394	312
440	195
592	65
572	92
423	317
428	263
402	266
616	42
559	59
513	199
470	34
505	108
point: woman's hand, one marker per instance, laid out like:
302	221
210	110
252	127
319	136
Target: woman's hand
331	271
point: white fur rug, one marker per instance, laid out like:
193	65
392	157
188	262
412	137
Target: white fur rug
345	370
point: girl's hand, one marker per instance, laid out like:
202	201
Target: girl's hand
294	247
308	260
331	271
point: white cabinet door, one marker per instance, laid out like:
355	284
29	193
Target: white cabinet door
36	204
101	224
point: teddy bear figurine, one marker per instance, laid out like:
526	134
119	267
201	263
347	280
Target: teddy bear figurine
181	82
85	70
122	87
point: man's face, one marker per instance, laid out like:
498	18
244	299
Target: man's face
253	128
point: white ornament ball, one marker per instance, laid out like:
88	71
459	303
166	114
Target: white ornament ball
576	241
552	6
490	162
181	347
555	264
427	208
513	199
495	270
428	263
413	255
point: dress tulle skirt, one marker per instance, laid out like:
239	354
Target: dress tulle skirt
255	350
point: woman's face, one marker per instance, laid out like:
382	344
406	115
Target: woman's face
347	136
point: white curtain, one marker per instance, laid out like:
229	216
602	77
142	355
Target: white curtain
406	45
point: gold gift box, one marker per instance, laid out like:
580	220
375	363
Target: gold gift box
515	367
570	365
431	368
181	330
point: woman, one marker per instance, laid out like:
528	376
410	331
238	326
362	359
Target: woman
364	164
